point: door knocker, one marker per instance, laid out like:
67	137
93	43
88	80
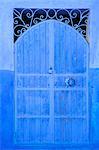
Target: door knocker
69	82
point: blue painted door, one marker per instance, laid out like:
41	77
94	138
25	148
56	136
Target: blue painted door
51	73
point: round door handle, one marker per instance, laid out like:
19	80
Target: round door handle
70	82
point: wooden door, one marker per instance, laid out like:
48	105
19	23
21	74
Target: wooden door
70	90
51	77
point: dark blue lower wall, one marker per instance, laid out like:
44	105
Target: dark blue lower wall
94	98
7	108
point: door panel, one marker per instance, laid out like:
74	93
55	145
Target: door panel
32	87
31	131
32	81
70	50
61	99
70	131
70	104
33	51
34	103
70	84
51	73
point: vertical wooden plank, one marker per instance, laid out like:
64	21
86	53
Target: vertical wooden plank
45	104
37	130
19	56
87	93
51	65
56	103
82	53
47	50
15	90
62	48
43	70
56	48
67	47
32	130
42	49
25	54
73	53
76	131
45	127
57	131
67	62
19	48
31	49
83	50
61	99
62	41
37	50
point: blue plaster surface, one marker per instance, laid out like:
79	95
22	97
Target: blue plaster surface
94	98
7	113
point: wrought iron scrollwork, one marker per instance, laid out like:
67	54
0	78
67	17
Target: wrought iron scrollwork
25	18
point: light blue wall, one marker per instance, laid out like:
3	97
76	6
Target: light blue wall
6	25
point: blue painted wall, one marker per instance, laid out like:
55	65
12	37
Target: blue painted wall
94	101
7	108
7	113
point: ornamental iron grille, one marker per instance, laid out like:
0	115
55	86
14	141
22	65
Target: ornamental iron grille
25	18
51	77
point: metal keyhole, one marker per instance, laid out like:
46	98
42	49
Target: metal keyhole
50	70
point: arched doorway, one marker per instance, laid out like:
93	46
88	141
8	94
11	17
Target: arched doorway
51	85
